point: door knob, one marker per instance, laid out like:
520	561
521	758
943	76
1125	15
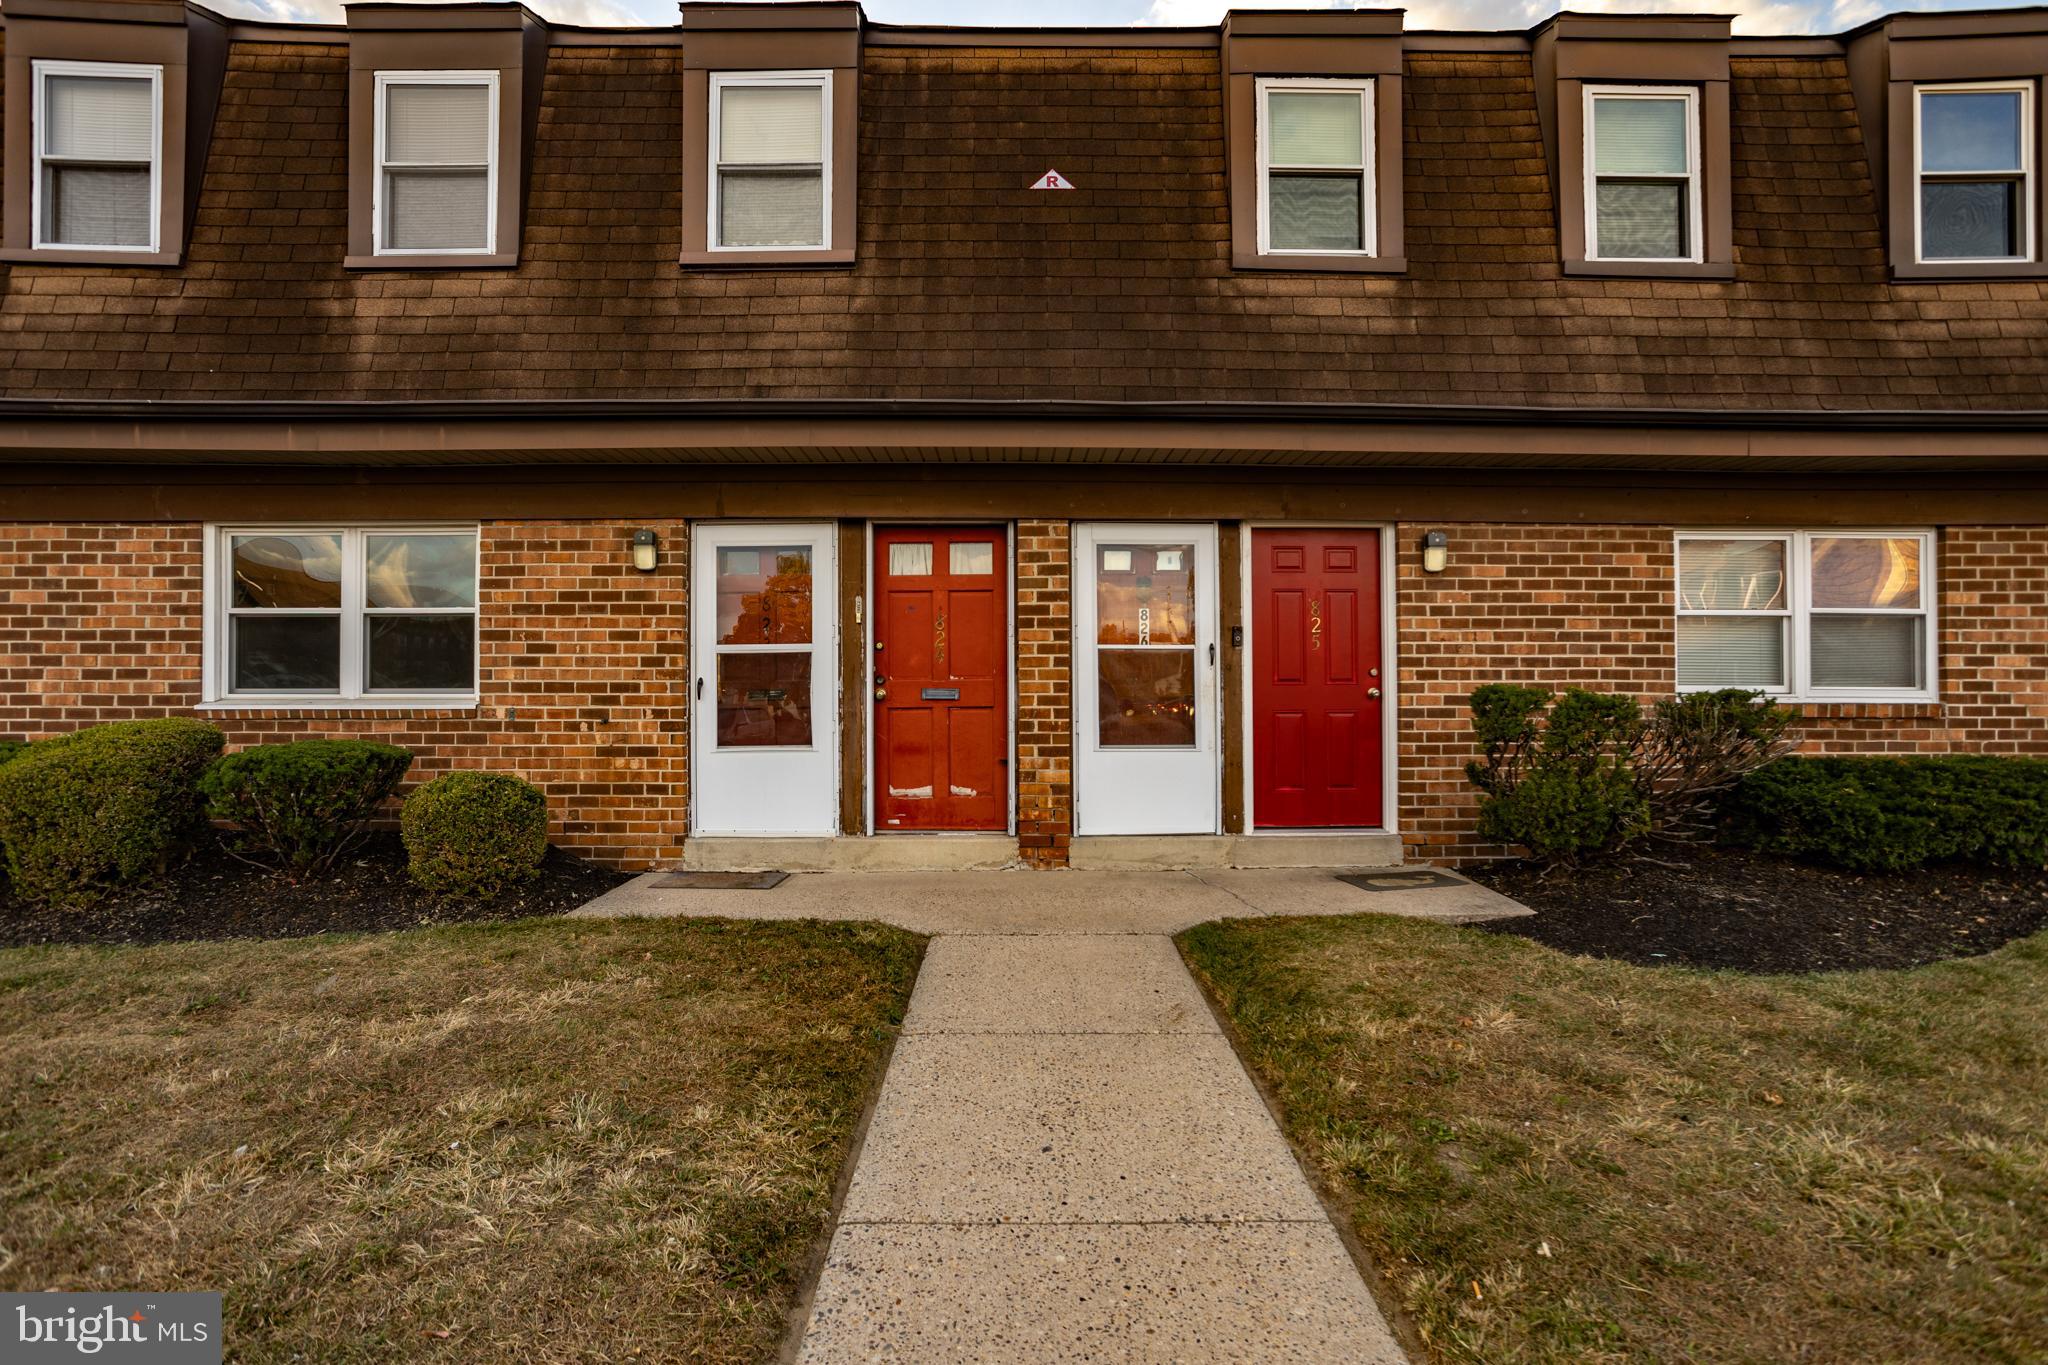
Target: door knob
881	694
1372	692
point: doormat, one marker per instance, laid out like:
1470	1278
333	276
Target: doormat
1400	881
720	881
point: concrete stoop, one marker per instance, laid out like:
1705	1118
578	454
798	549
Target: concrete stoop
899	853
1168	852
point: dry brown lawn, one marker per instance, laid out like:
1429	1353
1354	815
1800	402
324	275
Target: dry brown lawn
1554	1158
592	1141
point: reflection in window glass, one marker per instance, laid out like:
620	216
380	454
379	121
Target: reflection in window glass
971	557
764	595
287	571
1973	175
1150	600
1146	697
1731	575
419	571
910	560
764	700
1866	571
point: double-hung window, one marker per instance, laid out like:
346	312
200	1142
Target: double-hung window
345	613
1642	173
1973	159
1315	167
771	170
437	144
1813	615
99	155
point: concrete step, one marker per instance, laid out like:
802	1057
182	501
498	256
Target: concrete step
887	853
1155	851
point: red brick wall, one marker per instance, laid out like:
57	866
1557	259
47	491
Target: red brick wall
1045	765
584	665
1591	606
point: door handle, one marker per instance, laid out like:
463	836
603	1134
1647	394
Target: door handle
1212	654
700	689
1373	692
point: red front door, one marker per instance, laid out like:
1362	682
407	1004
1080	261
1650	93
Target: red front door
941	679
1316	682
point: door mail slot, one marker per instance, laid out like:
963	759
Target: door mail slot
939	694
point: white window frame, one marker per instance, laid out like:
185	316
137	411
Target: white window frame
41	71
353	694
1369	196
380	196
1799	612
821	81
1695	212
2028	228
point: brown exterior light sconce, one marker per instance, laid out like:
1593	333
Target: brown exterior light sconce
646	551
1436	551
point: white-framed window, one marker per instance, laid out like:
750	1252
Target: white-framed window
1973	168
99	155
1840	615
312	615
1315	146
436	192
771	161
1642	173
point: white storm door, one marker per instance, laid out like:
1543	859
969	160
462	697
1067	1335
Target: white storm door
764	685
1146	758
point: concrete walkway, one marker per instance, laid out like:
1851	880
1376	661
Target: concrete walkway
1067	1161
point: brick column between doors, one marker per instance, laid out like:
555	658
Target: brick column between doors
1045	718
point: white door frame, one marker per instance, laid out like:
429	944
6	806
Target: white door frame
763	805
1085	536
866	607
1390	730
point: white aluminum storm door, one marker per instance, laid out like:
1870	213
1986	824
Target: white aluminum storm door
1145	700
764	732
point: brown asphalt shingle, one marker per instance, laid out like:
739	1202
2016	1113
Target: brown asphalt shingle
969	285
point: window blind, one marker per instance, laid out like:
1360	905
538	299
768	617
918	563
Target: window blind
771	208
1639	137
437	125
434	210
99	118
1731	651
1867	651
96	205
1312	128
771	125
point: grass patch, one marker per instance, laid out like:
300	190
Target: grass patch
545	1140
1563	1159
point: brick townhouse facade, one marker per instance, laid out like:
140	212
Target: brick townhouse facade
788	438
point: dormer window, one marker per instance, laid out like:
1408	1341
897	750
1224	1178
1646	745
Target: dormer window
99	152
1643	174
437	140
1973	163
1315	167
772	172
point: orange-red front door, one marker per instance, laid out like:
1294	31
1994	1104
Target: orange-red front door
942	709
1316	685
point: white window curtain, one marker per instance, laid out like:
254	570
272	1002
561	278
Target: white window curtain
771	164
1806	614
439	141
97	154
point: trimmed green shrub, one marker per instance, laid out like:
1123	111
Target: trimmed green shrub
83	813
475	836
302	806
12	748
1889	814
1595	773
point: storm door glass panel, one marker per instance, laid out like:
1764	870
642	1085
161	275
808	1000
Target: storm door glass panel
284	612
1145	642
764	601
419	608
1734	614
1315	170
1973	175
97	160
1643	177
1868	628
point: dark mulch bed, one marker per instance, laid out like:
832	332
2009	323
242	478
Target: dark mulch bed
1731	908
216	895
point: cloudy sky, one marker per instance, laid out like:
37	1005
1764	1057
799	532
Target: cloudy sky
1751	16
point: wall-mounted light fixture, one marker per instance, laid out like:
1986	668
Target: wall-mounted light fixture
646	551
1436	551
